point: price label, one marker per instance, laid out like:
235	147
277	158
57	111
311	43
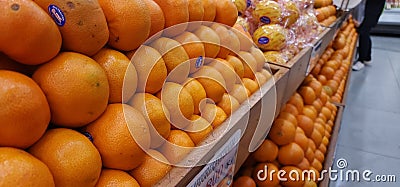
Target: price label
221	171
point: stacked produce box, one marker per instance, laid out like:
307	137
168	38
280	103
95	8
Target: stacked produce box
298	139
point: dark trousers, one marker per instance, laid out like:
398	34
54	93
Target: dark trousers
373	10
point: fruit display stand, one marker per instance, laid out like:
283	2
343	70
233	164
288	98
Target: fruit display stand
298	70
324	38
242	123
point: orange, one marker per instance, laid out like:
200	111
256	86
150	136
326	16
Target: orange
196	11
310	112
246	41
290	109
25	114
29	42
214	114
210	10
310	183
152	169
316	164
268	171
328	72
319	155
178	146
282	132
226	12
316	136
111	177
267	152
226	70
194	49
322	79
308	95
316	86
266	73
120	134
311	144
179	103
290	154
259	56
210	40
197	92
156	17
151	69
236	64
228	40
71	157
309	154
156	116
304	164
175	58
212	81
19	168
293	176
260	78
85	29
244	181
121	74
322	148
76	88
199	129
239	92
317	104
229	104
305	123
301	140
325	141
288	116
299	130
249	64
251	85
314	174
125	18
319	127
297	101
7	64
334	85
175	12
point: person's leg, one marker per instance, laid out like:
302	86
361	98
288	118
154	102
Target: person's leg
373	10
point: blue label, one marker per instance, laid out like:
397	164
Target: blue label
248	3
265	20
57	15
263	40
199	62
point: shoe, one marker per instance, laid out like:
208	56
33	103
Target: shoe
368	63
358	66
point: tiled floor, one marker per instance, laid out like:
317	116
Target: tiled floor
369	138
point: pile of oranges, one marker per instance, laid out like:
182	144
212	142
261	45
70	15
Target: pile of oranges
76	111
299	137
333	66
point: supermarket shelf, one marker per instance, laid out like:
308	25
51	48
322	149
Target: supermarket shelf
330	156
389	22
323	39
298	71
243	151
252	126
247	119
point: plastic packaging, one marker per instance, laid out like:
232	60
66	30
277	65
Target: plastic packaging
270	37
